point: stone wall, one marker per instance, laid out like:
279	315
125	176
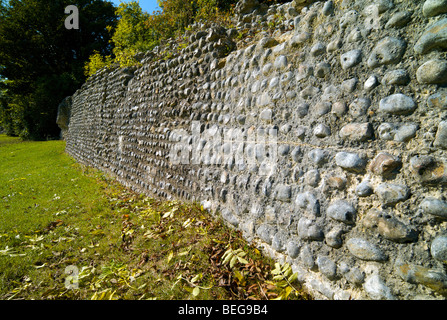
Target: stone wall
319	132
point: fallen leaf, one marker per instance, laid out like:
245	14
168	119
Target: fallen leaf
196	291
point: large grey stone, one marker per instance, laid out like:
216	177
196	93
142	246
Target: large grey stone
350	58
339	108
355	276
318	156
266	232
309	202
384	164
377	288
283	150
397	132
322	131
334	238
328	8
63	114
263	99
371	83
365	250
396	77
399	19
279	241
397	103
389	226
230	217
283	192
266	115
349	85
405	132
296	154
435	207
438	248
322	108
350	161
364	189
309	230
390	194
438	100
312	177
280	62
327	267
435	279
343	211
307	258
359	106
435	36
302	110
441	135
387	51
434	7
293	249
432	72
357	131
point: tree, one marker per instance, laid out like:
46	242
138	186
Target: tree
132	34
138	31
43	61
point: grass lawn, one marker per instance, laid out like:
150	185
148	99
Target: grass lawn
69	232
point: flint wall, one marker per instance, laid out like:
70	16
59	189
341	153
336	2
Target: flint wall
323	139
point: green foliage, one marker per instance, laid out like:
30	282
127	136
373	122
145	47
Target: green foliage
96	62
177	15
43	61
7	119
138	31
132	35
41	111
32	115
12	111
283	278
215	10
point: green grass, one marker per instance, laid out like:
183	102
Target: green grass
56	214
42	188
38	180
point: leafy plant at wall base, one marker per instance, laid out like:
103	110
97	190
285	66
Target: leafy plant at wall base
284	277
232	256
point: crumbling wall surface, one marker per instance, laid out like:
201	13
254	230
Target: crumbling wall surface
323	139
